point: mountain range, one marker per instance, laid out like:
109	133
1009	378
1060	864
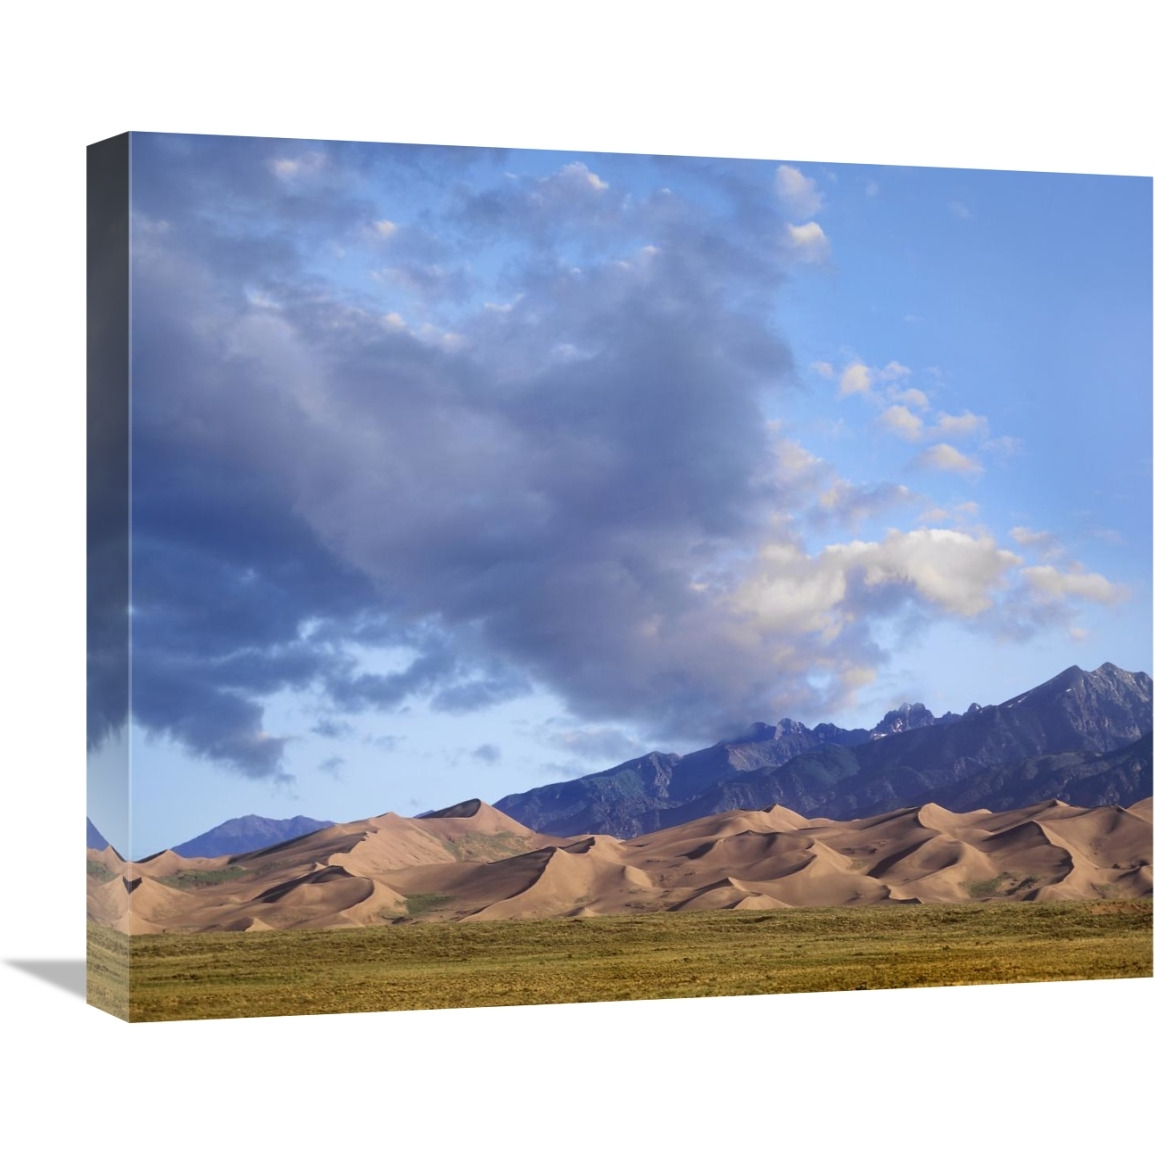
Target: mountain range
252	832
1082	737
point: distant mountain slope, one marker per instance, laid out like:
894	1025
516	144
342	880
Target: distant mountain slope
96	840
1117	778
252	832
909	757
620	800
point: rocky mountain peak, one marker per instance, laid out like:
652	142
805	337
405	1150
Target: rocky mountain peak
908	716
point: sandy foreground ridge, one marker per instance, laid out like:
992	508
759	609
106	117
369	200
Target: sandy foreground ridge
471	862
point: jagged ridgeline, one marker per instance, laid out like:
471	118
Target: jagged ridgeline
1083	737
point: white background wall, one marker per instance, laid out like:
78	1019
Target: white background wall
983	85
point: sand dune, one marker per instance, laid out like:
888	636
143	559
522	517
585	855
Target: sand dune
473	863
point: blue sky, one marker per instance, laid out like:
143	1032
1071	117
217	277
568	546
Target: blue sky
459	471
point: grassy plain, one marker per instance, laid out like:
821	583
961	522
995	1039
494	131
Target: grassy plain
651	956
108	952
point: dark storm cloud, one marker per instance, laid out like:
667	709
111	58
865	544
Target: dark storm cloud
108	432
220	724
559	491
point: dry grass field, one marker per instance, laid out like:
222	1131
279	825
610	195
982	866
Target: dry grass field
651	956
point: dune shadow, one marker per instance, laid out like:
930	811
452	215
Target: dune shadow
69	974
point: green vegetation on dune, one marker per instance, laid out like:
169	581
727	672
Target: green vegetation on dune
651	956
192	879
421	903
99	871
476	847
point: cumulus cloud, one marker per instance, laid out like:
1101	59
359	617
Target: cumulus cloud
799	194
828	593
855	378
1052	585
457	501
962	425
808	242
911	398
578	176
947	459
901	422
579	492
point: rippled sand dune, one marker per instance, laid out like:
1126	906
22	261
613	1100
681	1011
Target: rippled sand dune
471	862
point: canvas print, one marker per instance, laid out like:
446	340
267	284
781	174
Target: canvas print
537	577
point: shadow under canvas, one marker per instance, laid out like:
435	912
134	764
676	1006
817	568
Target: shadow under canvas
68	974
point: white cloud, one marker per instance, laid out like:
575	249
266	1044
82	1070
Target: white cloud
965	424
947	458
799	194
856	378
808	241
902	423
915	398
960	210
289	167
384	228
576	177
822	594
830	596
1051	585
954	570
591	178
823	368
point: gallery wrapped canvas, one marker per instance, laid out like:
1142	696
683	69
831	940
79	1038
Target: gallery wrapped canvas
532	577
